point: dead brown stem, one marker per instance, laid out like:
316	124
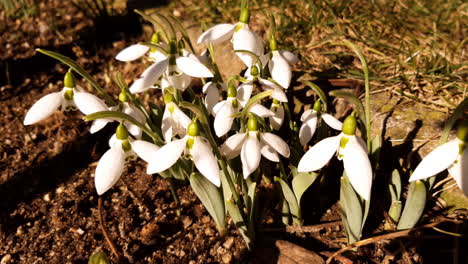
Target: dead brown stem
104	231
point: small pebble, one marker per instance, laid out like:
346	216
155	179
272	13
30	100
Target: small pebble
47	197
187	221
6	259
227	258
228	243
60	189
209	231
205	219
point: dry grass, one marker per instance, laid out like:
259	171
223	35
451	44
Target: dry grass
415	49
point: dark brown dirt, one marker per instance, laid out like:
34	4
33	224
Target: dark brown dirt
48	205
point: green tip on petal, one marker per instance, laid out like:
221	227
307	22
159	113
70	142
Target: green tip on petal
244	15
193	129
168	98
70	80
254	71
231	91
275	102
172	47
121	132
318	106
462	131
273	43
349	125
68	95
126	145
155	38
123	97
252	124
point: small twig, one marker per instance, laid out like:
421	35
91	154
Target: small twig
388	236
304	229
104	231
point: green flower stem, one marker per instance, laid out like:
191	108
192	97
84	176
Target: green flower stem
175	195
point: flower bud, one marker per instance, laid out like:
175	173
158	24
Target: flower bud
123	97
349	125
252	124
193	129
231	91
244	15
254	71
318	106
462	131
121	132
69	79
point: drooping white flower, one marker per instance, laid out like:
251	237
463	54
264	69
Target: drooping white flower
278	118
226	109
196	147
310	119
280	64
252	145
176	69
122	149
70	98
174	121
127	108
351	149
242	37
136	51
252	75
211	89
452	155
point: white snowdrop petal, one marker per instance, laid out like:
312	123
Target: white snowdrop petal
181	121
193	67
307	130
245	39
319	155
43	108
132	52
232	146
289	56
218	107
137	86
357	167
88	103
136	113
244	91
250	154
151	75
179	81
166	125
438	160
109	170
280	70
261	111
144	149
276	143
217	34
166	156
205	161
459	171
224	120
113	141
307	114
98	125
332	121
269	153
277	120
207	86
211	98
278	92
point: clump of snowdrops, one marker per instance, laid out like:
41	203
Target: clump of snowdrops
218	140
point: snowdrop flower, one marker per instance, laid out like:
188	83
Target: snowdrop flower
174	120
122	149
252	145
127	108
196	147
240	34
176	69
310	119
278	115
280	64
137	51
452	155
211	89
351	149
225	111
253	78
70	98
